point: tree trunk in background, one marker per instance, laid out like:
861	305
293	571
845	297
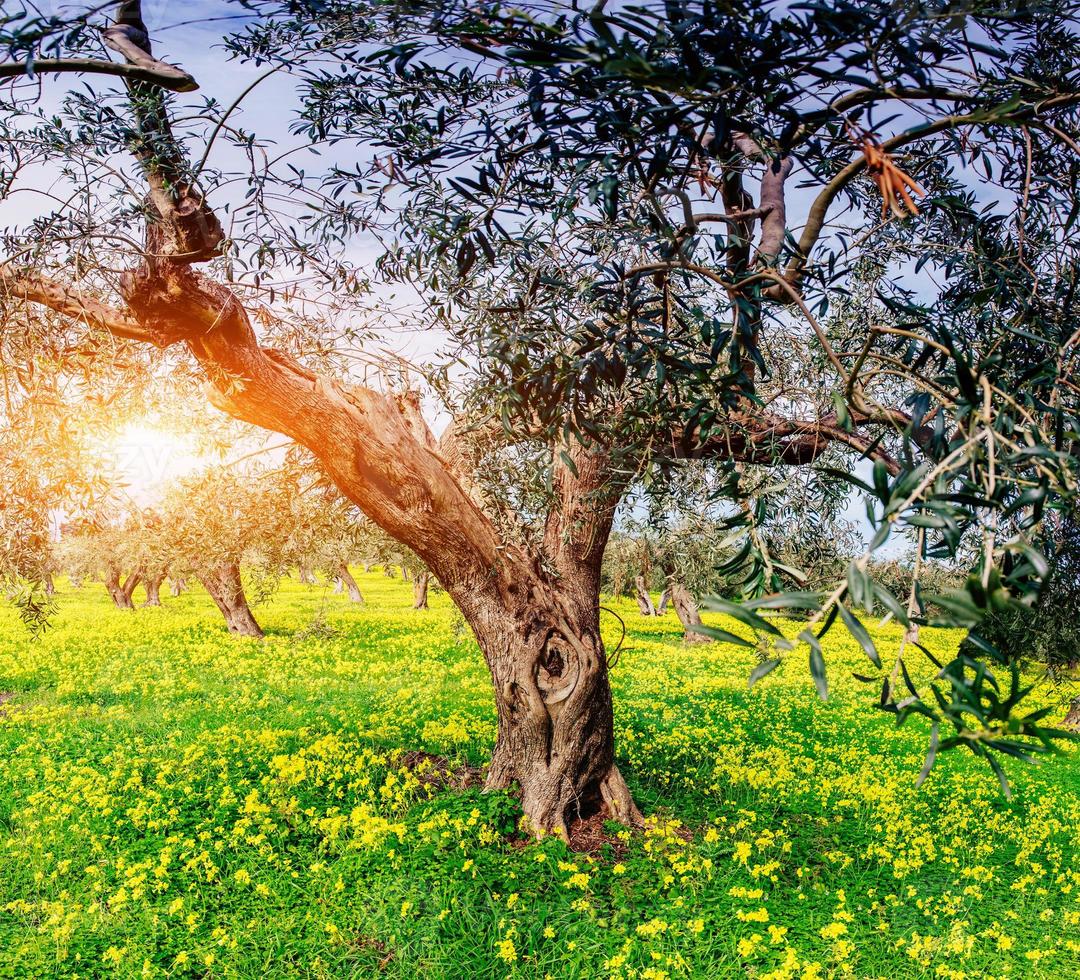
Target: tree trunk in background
121	593
345	576
152	584
388	571
306	576
644	600
50	585
177	585
665	598
420	589
339	586
1072	718
225	588
404	574
687	611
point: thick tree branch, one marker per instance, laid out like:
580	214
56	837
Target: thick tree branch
152	72
32	287
772	204
773	441
189	231
587	492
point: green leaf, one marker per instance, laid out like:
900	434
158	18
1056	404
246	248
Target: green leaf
715	633
786	600
857	630
931	755
762	669
742	614
817	664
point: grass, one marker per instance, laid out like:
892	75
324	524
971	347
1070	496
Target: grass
177	803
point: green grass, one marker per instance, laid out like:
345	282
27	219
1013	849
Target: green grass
174	802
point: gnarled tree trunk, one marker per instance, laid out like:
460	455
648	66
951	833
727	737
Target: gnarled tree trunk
152	584
339	586
119	592
177	585
226	589
644	600
50	585
306	575
665	598
345	577
1072	717
420	590
555	729
686	609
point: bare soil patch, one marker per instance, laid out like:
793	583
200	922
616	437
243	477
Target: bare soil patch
437	772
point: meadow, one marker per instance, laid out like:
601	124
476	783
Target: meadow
178	803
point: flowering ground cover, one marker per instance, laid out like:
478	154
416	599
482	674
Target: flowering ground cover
178	803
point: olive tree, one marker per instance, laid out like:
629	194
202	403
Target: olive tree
102	549
223	523
626	225
326	532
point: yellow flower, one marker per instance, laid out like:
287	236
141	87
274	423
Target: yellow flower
507	953
834	930
746	947
777	934
757	915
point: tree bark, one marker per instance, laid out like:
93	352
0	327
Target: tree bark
177	585
226	589
152	584
404	574
555	730
1072	717
121	592
686	609
306	576
644	600
420	590
665	598
339	586
345	577
50	585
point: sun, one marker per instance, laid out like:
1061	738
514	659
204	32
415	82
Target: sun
146	458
